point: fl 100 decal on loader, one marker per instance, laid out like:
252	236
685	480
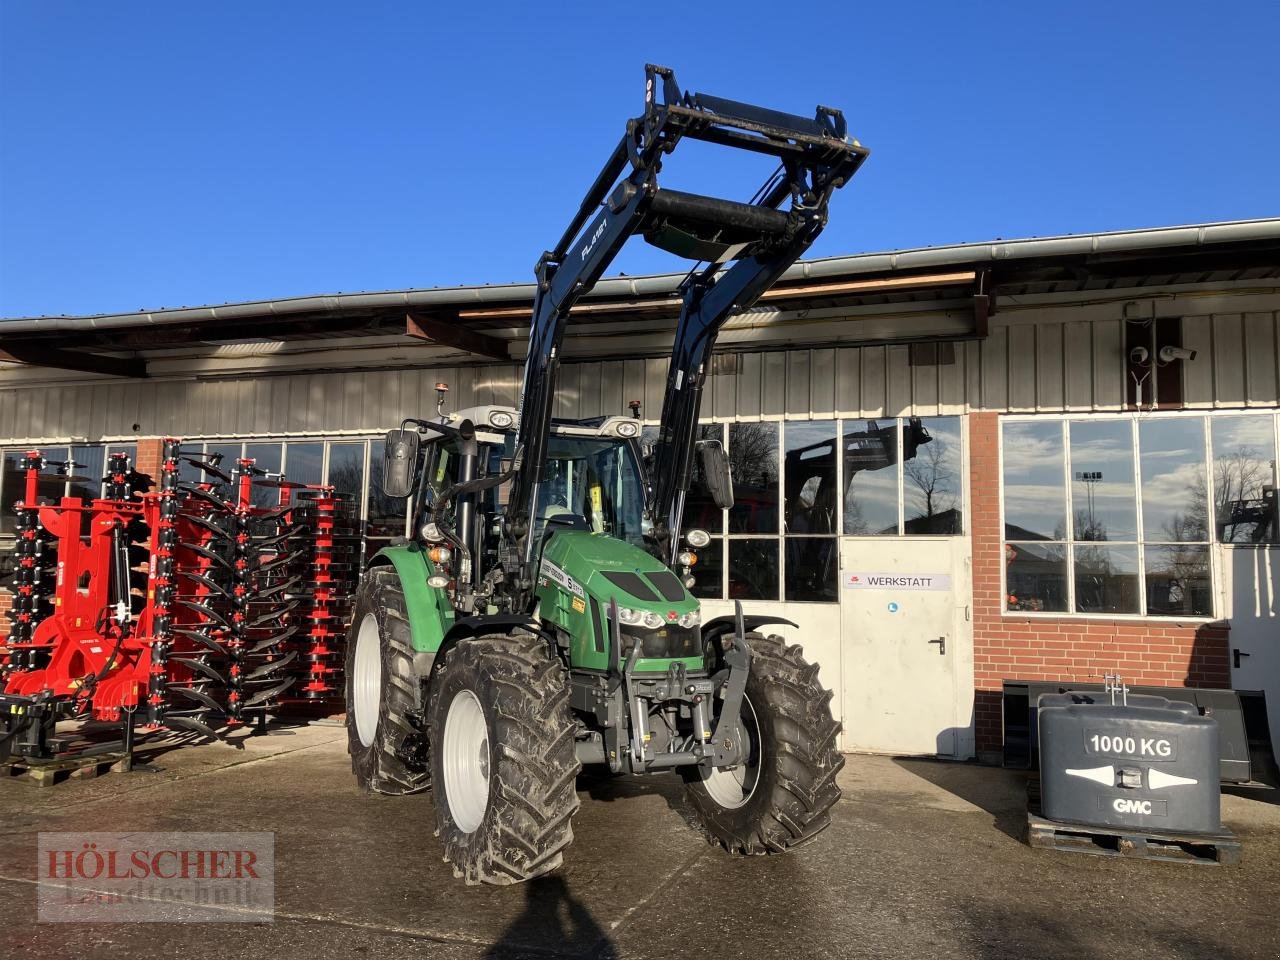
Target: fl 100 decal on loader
540	618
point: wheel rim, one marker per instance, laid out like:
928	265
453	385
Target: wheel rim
731	789
465	754
366	680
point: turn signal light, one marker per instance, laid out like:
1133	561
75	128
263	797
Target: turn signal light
687	558
439	555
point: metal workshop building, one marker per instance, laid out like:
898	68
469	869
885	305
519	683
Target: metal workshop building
955	467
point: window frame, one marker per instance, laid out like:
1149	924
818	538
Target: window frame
1135	418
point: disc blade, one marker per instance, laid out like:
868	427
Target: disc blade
273	615
207	554
203	494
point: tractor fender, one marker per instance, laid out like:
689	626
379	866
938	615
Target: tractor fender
430	614
716	627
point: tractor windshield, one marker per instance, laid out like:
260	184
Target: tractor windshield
593	484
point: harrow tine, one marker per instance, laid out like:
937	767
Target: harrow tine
199	696
273	514
207	554
200	638
206	611
268	693
192	724
278	588
269	668
273	615
207	523
199	666
282	560
211	584
272	641
212	498
208	468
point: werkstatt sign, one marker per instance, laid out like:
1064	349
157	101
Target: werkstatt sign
897	581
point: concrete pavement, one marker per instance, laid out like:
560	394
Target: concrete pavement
922	861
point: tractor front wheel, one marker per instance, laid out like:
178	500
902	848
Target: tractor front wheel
388	750
782	794
503	761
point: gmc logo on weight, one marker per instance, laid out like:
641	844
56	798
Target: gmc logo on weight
1121	805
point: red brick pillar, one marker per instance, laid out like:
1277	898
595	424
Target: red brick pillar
150	456
988	634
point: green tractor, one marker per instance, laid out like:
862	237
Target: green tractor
540	619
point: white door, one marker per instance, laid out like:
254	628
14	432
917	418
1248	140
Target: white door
1251	587
907	645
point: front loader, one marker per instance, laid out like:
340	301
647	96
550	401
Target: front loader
539	618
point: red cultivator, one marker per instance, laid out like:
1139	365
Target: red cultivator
194	608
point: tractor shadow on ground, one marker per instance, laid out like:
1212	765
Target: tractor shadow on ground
553	923
600	784
1001	793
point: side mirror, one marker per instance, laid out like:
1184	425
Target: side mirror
399	462
715	467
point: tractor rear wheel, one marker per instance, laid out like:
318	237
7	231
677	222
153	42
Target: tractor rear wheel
384	710
503	760
782	795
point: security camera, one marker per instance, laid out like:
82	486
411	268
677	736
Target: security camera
1138	356
1170	354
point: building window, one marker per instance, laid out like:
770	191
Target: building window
799	485
1114	515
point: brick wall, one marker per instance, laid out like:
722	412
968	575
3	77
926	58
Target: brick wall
150	453
1150	653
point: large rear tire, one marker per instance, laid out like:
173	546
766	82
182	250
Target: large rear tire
384	696
782	795
503	760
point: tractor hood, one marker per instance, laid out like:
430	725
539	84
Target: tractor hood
582	572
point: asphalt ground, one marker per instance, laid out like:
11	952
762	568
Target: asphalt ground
923	860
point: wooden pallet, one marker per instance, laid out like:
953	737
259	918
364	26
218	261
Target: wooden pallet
45	773
1220	849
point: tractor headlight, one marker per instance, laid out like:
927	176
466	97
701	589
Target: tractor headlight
501	419
431	533
697	538
652	620
691	619
438	580
631	618
627	429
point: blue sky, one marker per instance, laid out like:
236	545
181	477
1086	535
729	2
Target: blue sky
164	154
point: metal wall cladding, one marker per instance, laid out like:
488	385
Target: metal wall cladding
1150	763
1030	362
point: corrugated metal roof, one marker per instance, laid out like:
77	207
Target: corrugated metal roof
1121	242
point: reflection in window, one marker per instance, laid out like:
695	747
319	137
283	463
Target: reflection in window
1106	579
932	476
1035	502
1178	580
1102	498
91	463
813	568
346	468
870	478
708	572
1175	500
11	483
1244	461
265	456
304	462
700	510
810	477
1036	576
753	458
753	569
